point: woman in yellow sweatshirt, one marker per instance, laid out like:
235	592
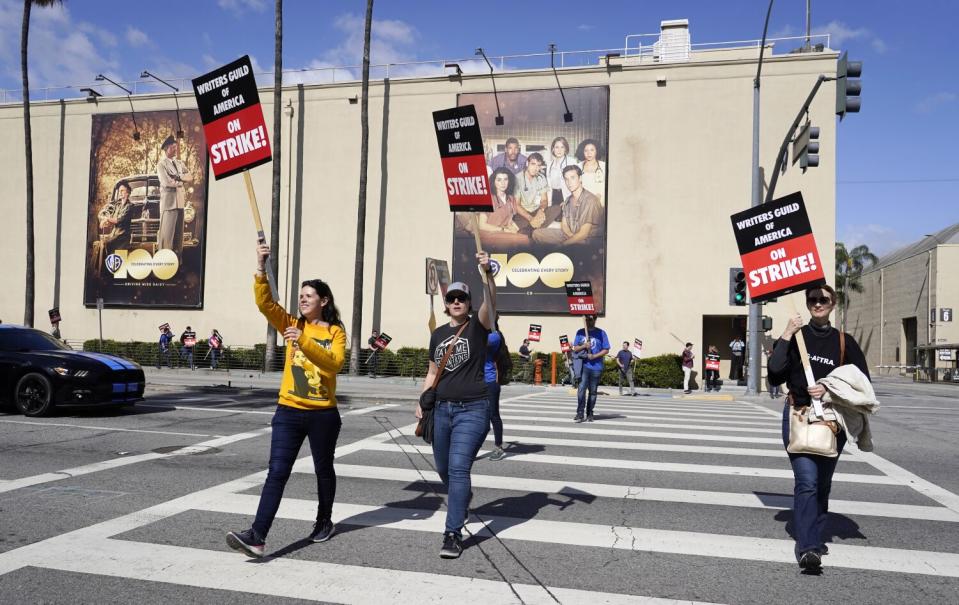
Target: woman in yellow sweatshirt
316	347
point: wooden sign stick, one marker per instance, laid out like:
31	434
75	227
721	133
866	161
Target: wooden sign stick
259	232
474	221
804	358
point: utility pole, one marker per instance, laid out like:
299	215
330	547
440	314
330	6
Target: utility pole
754	327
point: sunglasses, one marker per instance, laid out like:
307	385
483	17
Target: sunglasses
822	300
452	298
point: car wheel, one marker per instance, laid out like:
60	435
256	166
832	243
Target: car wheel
34	395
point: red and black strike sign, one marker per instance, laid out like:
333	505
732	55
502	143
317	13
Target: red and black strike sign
232	118
382	341
535	330
564	344
54	314
164	327
464	163
579	295
778	249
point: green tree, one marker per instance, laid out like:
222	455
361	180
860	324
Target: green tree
357	323
28	289
849	267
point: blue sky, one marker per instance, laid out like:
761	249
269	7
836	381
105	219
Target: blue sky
897	171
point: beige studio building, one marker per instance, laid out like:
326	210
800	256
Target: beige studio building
676	127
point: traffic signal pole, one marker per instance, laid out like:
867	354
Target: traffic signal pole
781	156
754	327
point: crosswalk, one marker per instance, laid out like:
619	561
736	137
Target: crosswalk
674	477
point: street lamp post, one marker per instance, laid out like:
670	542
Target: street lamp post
179	127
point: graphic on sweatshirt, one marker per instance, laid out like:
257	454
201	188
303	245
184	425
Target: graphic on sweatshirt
307	382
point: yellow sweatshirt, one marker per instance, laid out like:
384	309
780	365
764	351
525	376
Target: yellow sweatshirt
312	362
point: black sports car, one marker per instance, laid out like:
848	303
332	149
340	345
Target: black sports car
38	372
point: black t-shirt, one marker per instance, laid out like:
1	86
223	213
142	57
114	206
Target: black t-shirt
462	378
823	348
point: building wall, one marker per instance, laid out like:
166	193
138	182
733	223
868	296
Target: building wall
679	166
946	295
899	292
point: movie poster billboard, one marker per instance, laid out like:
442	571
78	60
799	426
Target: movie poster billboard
549	182
146	212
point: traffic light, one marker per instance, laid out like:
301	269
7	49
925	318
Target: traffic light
737	287
848	86
806	147
767	323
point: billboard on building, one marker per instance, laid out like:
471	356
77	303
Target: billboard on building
146	211
549	182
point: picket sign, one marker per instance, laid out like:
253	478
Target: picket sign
235	131
460	143
804	357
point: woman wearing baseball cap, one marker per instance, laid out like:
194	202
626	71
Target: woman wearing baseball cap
461	413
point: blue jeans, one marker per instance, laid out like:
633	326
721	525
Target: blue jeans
290	427
214	355
492	393
188	353
588	382
459	429
813	476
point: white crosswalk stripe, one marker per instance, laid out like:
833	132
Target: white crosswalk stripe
726	457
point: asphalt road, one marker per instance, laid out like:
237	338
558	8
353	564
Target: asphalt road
662	499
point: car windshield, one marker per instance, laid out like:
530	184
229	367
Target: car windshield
29	340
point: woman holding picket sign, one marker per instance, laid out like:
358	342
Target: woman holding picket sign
813	460
455	393
316	348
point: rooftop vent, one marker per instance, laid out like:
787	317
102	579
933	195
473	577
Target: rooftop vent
673	43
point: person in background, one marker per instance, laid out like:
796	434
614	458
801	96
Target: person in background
525	355
494	347
163	352
216	348
737	346
306	407
687	359
594	346
624	359
375	354
712	373
187	342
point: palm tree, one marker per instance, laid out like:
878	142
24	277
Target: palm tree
28	289
849	267
357	324
270	352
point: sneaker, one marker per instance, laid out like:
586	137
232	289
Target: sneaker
247	542
810	560
322	531
497	454
577	418
589	417
452	546
687	392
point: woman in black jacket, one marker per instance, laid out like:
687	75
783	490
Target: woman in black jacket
813	473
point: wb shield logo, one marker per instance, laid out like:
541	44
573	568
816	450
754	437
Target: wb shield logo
113	263
494	267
